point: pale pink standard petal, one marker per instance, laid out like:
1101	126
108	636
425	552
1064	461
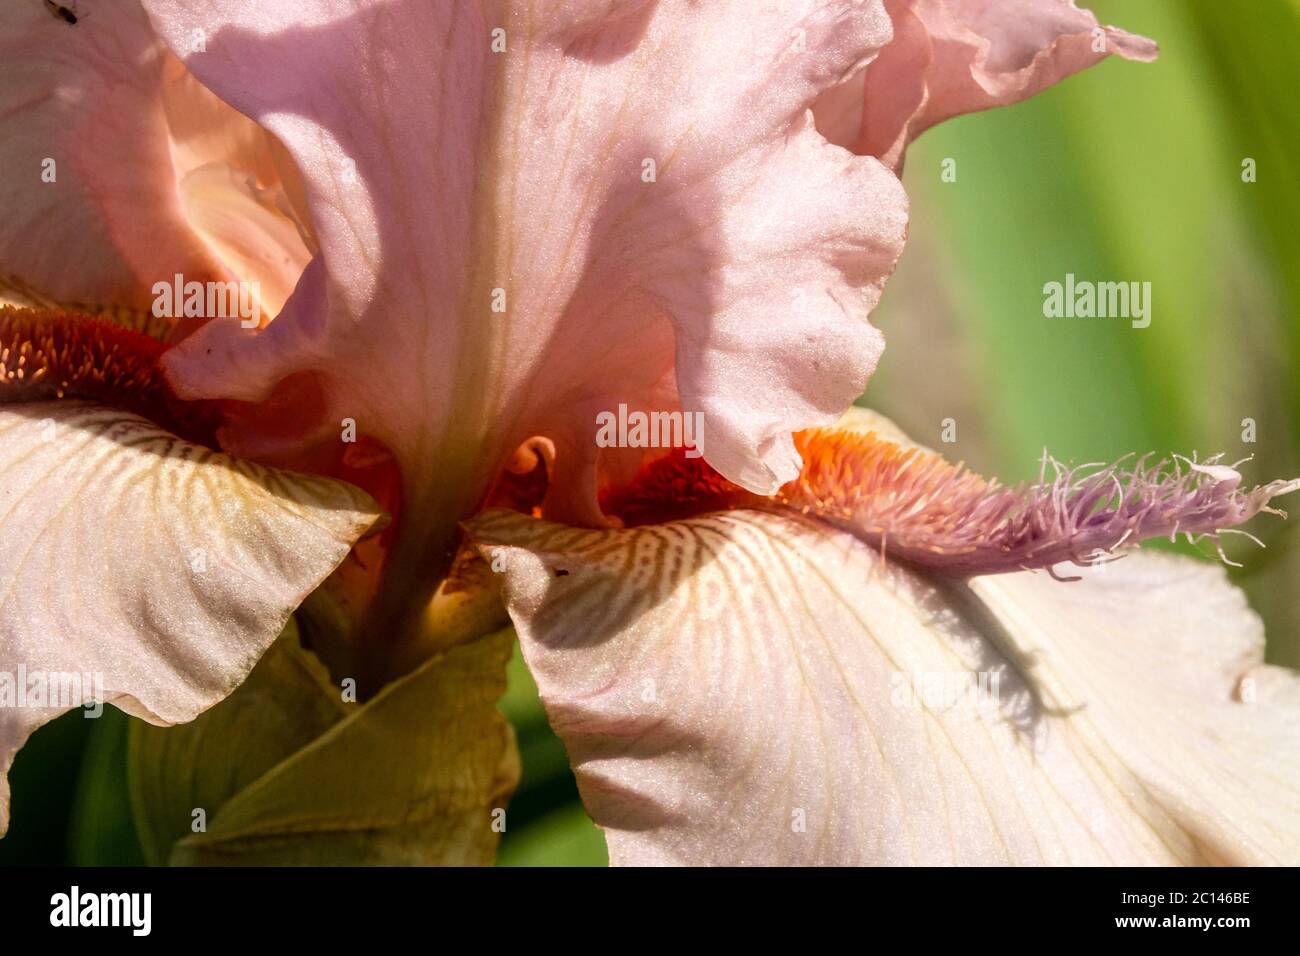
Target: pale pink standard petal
141	570
950	57
527	219
755	688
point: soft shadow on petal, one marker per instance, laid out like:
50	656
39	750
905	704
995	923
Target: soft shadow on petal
750	687
245	224
158	569
239	188
121	170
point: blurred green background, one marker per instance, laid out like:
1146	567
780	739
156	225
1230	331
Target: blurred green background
1124	173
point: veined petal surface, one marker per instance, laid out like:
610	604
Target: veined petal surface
757	688
148	571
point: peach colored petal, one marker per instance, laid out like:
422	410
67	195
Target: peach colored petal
756	688
950	57
124	125
247	227
86	99
238	187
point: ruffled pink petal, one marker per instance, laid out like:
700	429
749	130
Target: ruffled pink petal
635	185
757	688
950	57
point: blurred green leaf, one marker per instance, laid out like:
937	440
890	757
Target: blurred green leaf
565	837
43	786
102	832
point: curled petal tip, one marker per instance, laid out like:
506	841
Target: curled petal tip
1131	46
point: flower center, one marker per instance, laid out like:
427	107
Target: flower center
53	355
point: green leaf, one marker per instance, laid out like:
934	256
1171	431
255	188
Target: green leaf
286	773
566	837
101	830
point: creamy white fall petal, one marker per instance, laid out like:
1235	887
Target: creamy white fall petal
950	57
157	567
754	687
103	131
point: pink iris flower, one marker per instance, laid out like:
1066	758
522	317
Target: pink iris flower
477	229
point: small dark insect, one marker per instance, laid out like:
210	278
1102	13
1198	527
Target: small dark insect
560	573
67	14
